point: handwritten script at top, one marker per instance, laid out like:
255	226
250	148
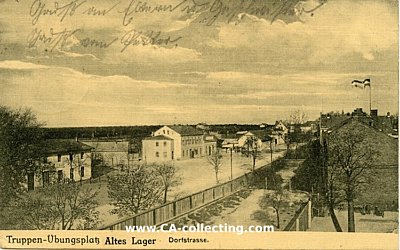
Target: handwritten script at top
210	10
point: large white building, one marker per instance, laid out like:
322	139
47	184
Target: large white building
187	142
157	149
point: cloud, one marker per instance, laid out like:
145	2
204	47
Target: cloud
49	90
19	65
152	54
337	29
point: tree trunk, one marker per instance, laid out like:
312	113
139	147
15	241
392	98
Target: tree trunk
351	227
277	219
335	221
216	177
254	163
165	194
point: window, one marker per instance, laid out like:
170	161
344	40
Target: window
167	132
183	153
156	144
71	174
59	158
82	171
31	181
46	178
165	144
165	154
60	175
164	132
157	154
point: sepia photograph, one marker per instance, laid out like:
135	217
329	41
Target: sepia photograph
199	124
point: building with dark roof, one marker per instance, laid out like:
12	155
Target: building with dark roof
112	152
188	142
383	176
64	158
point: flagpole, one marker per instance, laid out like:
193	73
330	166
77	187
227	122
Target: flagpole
370	89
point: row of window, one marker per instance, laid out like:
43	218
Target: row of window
165	154
192	152
167	132
46	177
189	141
158	144
71	157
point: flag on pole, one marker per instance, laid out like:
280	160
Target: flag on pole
361	84
367	82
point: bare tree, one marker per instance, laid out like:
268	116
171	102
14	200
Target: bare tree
73	204
215	159
350	156
60	205
167	173
277	196
253	149
297	117
134	189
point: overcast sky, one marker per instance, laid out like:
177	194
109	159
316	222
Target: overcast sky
243	67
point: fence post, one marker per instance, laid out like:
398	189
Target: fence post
213	193
297	225
174	208
190	202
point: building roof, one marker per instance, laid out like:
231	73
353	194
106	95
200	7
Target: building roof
229	136
157	137
386	146
186	130
108	146
63	146
210	138
260	134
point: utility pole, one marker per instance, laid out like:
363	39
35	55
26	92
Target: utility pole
231	164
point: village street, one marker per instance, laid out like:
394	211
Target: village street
196	175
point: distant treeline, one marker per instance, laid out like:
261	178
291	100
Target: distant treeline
99	132
233	128
130	131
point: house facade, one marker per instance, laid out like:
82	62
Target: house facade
188	142
113	152
158	149
63	159
210	144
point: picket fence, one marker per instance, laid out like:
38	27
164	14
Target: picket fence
301	221
174	209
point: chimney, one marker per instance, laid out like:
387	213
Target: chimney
374	113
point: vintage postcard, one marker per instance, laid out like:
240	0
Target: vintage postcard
199	124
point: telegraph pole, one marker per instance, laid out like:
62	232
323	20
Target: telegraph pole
231	164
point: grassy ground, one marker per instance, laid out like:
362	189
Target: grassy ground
364	223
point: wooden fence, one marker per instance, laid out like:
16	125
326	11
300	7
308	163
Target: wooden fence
169	211
302	219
